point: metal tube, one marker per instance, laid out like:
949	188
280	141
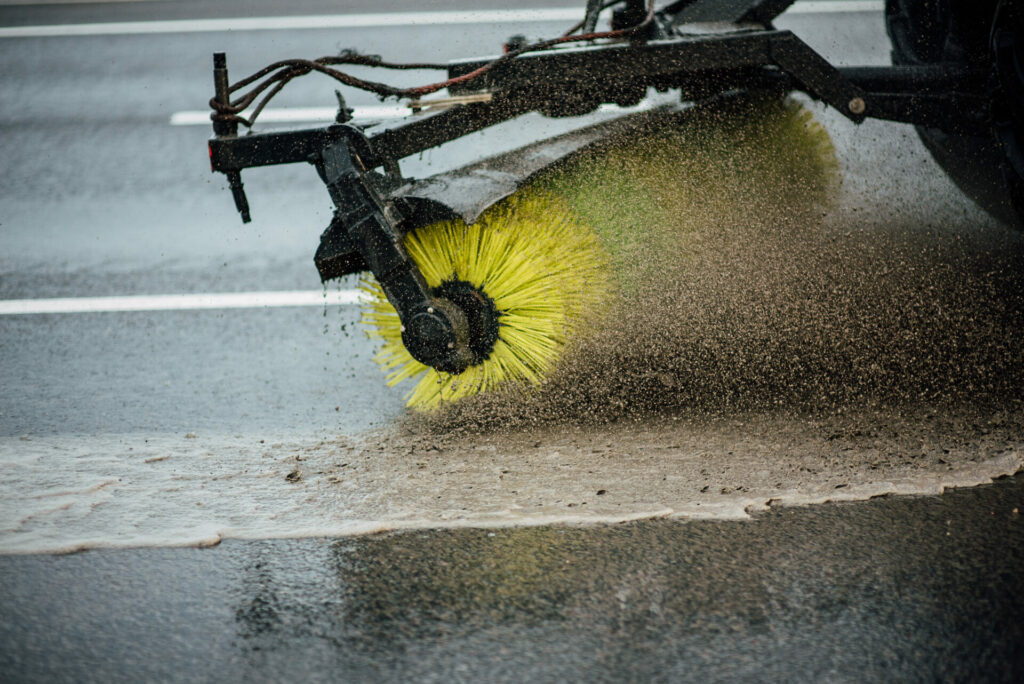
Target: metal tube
222	95
590	19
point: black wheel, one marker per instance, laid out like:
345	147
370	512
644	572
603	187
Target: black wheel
963	32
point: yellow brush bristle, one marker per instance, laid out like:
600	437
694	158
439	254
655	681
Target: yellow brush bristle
544	271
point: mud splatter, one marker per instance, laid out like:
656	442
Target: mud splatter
778	301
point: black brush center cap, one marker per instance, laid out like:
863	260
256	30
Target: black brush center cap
480	312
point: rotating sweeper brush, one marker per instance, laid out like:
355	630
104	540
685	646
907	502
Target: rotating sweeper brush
479	278
523	275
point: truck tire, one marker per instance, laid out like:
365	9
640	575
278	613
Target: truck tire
959	31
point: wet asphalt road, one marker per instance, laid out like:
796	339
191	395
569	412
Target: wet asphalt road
910	589
102	196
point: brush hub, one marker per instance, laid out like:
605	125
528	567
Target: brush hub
480	312
438	336
458	329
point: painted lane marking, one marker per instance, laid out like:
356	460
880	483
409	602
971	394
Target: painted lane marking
200	117
196	117
835	6
368	20
36	3
180	302
317	21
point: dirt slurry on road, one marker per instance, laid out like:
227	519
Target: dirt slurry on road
721	467
176	490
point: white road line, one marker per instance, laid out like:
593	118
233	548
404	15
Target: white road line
180	302
197	117
358	21
836	6
36	3
319	21
201	117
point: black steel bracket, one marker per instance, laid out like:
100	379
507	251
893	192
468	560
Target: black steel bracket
434	330
594	74
571	81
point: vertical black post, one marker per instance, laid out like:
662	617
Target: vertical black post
590	19
221	94
222	128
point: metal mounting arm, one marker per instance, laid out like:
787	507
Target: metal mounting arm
434	329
